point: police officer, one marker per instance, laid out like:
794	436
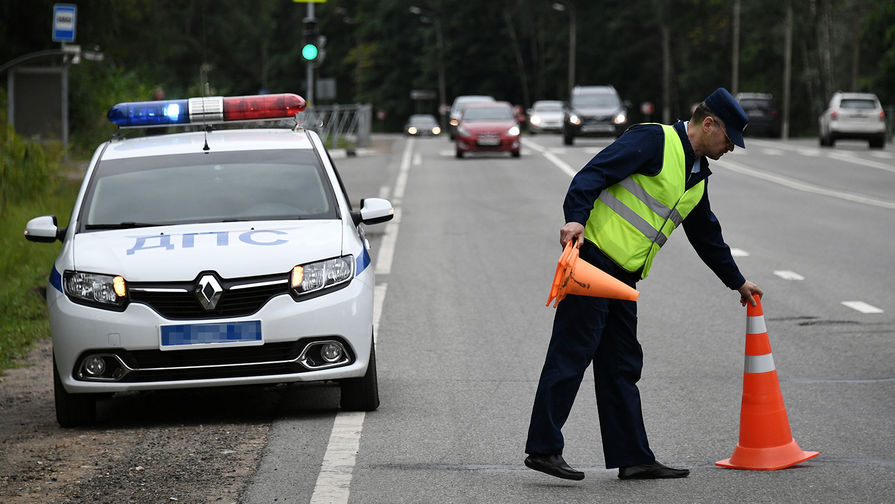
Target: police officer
620	209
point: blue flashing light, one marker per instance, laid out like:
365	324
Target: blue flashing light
151	113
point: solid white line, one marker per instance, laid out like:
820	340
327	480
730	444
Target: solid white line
862	307
334	479
788	275
803	186
386	253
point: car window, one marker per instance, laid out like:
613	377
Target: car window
754	103
595	100
855	103
487	114
213	187
549	107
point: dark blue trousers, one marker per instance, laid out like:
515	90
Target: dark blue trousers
603	332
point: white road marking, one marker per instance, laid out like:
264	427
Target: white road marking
862	307
417	159
851	158
334	479
882	155
804	186
738	252
559	163
772	152
788	275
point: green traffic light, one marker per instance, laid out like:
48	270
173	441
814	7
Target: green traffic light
309	52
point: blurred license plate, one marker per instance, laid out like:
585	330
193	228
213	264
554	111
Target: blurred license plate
597	127
205	335
489	141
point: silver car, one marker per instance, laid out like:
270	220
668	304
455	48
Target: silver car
546	115
853	116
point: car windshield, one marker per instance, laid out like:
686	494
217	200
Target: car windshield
549	107
595	100
212	187
487	114
423	121
856	103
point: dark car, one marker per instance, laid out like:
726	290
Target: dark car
422	125
594	111
487	127
764	118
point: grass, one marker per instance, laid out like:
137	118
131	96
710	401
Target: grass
24	272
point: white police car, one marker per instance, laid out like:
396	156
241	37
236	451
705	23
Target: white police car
209	258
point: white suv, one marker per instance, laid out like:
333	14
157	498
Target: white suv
209	258
853	116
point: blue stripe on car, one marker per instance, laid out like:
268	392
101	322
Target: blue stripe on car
363	261
56	279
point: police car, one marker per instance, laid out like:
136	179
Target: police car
209	258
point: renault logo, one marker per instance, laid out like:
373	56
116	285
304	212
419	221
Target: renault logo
208	292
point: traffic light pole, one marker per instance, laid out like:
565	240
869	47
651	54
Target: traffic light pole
309	65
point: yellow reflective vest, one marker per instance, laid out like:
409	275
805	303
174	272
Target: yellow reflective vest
632	219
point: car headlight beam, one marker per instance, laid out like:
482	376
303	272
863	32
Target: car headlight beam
94	289
316	276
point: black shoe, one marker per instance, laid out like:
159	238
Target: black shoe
554	465
653	470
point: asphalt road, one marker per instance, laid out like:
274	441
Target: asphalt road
463	274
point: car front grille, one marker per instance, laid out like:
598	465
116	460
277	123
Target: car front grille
179	301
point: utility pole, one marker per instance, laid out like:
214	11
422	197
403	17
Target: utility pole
787	70
735	57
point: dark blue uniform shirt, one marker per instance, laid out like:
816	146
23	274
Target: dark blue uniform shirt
641	150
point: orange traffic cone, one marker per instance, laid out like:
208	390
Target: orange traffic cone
580	277
766	442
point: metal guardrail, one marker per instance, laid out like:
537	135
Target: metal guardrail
349	123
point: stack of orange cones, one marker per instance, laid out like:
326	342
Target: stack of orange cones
766	442
584	279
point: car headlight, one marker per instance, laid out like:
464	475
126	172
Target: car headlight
412	130
462	131
574	119
454	122
317	276
621	118
535	120
436	130
514	131
94	289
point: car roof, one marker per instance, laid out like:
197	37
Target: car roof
857	96
218	140
754	96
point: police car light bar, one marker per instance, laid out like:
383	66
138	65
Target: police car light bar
212	109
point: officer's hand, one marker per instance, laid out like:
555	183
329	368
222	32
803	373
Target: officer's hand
569	231
747	290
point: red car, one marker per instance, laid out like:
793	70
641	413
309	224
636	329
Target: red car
488	127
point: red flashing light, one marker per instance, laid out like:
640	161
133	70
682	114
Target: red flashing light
248	108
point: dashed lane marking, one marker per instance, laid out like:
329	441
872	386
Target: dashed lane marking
862	307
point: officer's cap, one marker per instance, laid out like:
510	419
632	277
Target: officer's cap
725	106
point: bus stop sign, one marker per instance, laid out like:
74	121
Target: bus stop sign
64	21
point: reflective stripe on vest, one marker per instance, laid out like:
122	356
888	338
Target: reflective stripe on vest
632	220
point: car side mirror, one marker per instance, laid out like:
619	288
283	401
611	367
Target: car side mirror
43	229
373	211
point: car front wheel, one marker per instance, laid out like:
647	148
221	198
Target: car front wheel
72	410
362	394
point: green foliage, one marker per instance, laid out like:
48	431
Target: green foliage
25	168
378	51
25	268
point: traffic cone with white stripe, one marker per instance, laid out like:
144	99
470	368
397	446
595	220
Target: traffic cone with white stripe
766	442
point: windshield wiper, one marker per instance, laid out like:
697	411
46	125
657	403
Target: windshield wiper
123	225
